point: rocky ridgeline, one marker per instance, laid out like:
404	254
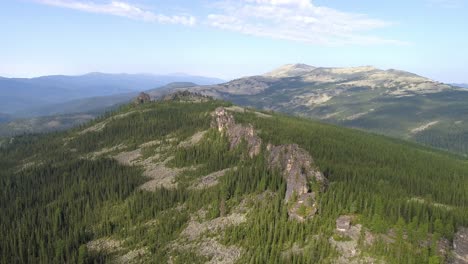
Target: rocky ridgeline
303	180
186	96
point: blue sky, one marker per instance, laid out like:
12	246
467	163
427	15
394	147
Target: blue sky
229	39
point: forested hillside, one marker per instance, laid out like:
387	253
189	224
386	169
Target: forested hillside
174	181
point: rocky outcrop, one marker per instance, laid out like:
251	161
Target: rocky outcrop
142	98
297	166
303	180
224	122
186	96
346	242
460	247
343	223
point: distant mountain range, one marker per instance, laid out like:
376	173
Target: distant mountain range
61	116
28	97
463	85
390	102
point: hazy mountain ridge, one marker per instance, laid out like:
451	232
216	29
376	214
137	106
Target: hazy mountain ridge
463	85
18	95
44	124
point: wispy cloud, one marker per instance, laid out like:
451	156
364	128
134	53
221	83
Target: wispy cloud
295	20
298	20
123	9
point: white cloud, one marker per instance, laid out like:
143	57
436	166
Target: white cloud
298	20
123	9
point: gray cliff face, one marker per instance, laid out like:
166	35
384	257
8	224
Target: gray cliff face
303	180
297	166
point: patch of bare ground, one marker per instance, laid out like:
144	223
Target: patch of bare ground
128	158
209	180
424	127
239	109
423	201
101	125
330	115
95	128
151	143
154	167
346	240
263	115
133	256
219	253
27	163
113	246
236	108
201	236
358	115
104	151
195	229
107	245
193	140
160	175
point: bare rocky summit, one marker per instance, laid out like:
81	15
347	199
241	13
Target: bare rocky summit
290	70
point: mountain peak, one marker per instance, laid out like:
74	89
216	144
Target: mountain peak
290	70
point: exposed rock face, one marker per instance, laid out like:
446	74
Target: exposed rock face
343	223
297	168
224	122
142	98
460	247
346	240
303	180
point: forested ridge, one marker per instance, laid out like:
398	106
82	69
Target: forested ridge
62	193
